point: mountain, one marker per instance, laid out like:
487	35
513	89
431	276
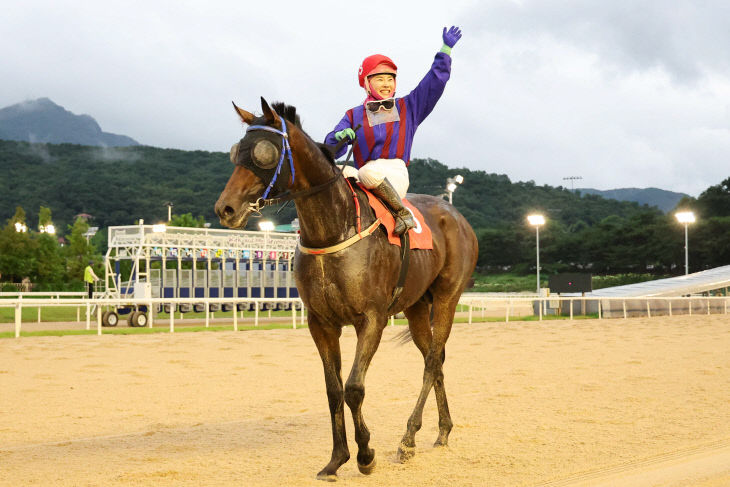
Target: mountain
42	120
662	199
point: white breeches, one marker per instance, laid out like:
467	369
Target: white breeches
373	173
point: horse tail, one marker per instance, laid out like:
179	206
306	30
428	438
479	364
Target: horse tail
403	337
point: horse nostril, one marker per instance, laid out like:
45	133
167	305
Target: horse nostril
227	211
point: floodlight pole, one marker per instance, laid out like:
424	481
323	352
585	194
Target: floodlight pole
537	241
686	250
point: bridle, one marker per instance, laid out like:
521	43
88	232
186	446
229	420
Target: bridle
286	153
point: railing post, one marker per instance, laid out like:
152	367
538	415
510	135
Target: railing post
39	313
98	319
150	312
648	309
600	304
539	305
293	316
509	308
256	315
88	316
670	307
172	318
207	315
624	301
235	318
470	311
690	305
18	316
570	303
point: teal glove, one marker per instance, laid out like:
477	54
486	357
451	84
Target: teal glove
348	132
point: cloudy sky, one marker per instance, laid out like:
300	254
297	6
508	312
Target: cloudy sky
623	93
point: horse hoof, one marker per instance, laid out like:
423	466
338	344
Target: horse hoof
367	469
405	453
328	477
440	444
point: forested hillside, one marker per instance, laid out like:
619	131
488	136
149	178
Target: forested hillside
118	186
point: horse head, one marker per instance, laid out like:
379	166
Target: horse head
254	157
266	160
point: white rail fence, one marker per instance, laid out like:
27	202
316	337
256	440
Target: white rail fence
511	306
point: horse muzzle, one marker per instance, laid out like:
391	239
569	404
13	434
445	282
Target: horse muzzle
231	217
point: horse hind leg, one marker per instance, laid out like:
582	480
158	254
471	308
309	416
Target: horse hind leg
419	324
431	342
442	322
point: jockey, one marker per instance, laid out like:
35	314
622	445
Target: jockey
388	124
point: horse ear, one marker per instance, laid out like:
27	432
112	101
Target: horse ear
269	113
246	117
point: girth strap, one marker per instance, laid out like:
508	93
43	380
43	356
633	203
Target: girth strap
405	244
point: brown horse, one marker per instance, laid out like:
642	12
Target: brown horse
353	285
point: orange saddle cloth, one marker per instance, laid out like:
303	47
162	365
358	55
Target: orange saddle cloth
420	235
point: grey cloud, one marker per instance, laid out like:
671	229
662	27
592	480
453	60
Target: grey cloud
685	38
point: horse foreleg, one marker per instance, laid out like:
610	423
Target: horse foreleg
368	338
327	340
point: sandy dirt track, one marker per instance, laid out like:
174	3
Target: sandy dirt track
597	402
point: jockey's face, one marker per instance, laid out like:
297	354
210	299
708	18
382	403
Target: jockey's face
382	85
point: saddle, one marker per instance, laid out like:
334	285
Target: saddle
420	236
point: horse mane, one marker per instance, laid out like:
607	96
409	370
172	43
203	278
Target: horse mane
289	112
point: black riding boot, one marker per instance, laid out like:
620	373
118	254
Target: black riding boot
388	195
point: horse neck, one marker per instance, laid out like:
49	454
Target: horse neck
325	217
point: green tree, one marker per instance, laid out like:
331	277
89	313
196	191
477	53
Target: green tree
50	270
79	251
17	250
187	220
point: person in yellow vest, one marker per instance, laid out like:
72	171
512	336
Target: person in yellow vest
90	278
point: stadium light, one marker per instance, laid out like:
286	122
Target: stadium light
685	217
266	226
20	227
50	229
536	221
451	185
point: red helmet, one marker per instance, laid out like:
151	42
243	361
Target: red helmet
370	63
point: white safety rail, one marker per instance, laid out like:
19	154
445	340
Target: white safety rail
613	307
57	295
567	307
96	306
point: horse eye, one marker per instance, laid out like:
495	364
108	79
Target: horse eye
265	154
234	153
